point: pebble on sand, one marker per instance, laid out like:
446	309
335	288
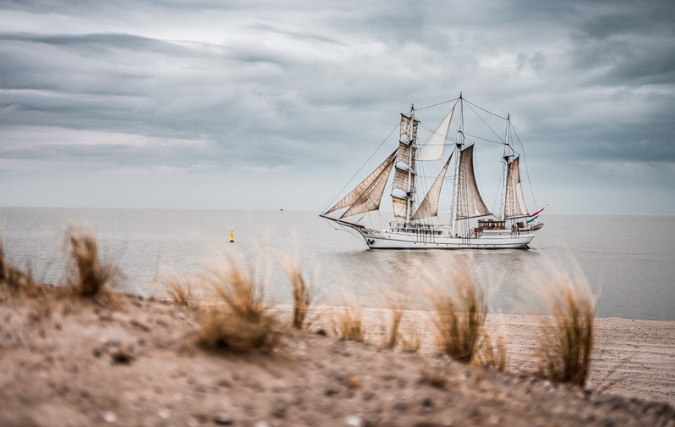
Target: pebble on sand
109	417
223	420
355	421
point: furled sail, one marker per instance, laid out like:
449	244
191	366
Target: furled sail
404	175
409	128
429	206
368	188
435	145
469	202
514	205
402	179
405	154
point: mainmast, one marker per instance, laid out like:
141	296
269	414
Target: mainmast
459	144
411	181
505	159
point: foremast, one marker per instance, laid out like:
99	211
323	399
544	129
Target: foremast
403	186
458	148
513	202
505	159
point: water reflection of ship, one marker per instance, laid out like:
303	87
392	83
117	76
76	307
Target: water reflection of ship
369	276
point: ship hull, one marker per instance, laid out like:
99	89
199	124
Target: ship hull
387	240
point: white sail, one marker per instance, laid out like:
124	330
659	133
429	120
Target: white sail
469	201
435	146
429	206
514	205
366	184
400	207
372	196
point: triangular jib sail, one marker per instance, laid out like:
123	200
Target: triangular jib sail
367	195
469	202
514	205
435	146
429	206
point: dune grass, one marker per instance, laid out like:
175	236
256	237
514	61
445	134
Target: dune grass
460	308
302	293
15	282
491	352
348	322
180	292
568	336
411	342
240	322
89	278
406	339
394	330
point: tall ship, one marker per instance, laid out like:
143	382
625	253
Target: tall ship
416	224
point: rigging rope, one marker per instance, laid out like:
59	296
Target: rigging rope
489	112
437	104
485	123
362	166
525	162
483	139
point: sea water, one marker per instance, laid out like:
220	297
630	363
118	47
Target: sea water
629	261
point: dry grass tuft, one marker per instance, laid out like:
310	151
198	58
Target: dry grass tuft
90	279
16	283
433	378
242	323
347	322
302	295
460	314
180	292
568	336
491	353
394	336
411	342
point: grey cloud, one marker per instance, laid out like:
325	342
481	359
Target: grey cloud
275	90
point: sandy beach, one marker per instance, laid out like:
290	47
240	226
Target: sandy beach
632	358
75	363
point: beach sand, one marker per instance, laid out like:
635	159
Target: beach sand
73	363
632	358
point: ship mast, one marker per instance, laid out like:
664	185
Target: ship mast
459	144
413	147
505	159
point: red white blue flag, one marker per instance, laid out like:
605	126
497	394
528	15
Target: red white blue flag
535	215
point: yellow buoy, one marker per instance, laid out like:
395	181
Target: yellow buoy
232	236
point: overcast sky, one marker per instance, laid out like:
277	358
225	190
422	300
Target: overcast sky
196	104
